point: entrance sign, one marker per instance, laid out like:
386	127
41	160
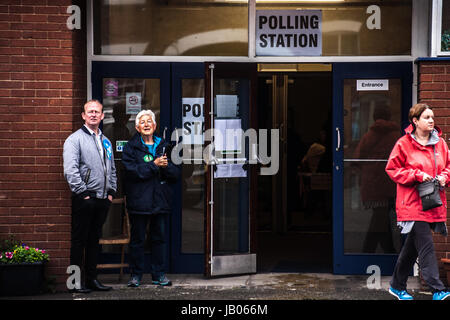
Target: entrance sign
372	85
193	120
288	32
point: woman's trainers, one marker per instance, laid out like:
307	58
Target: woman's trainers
441	295
162	281
400	294
134	282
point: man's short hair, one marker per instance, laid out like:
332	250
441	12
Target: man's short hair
92	101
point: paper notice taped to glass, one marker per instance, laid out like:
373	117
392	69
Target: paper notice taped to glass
228	136
233	170
226	106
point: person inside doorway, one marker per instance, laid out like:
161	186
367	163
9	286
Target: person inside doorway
296	149
149	174
377	190
315	175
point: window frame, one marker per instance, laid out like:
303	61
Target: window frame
436	30
419	45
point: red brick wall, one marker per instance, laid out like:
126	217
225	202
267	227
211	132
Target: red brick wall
434	89
42	89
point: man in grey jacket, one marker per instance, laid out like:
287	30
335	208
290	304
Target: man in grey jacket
91	174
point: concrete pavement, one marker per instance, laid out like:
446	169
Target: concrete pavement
261	286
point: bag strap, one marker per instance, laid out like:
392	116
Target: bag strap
435	164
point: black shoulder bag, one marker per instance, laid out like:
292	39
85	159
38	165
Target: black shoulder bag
429	191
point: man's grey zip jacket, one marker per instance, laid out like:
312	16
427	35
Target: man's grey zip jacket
87	172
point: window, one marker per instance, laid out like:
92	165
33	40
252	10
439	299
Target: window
440	30
357	28
170	28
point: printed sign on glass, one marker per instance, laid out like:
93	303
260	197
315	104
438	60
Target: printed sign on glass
193	120
372	85
133	102
120	144
111	88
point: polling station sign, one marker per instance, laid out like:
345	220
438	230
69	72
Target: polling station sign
288	32
193	120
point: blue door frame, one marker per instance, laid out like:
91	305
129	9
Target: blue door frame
104	69
182	262
143	70
358	263
170	75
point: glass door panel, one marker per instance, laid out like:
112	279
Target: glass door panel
230	179
371	127
125	88
231	98
188	219
192	223
123	98
370	109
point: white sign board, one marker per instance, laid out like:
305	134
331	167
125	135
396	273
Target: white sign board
193	120
134	102
372	85
288	32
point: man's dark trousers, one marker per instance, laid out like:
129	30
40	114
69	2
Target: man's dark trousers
88	217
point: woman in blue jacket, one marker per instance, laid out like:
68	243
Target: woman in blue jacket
148	176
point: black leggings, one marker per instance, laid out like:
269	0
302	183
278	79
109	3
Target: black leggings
418	243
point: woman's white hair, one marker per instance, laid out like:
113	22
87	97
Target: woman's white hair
143	113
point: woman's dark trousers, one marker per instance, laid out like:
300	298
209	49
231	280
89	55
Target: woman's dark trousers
137	241
418	243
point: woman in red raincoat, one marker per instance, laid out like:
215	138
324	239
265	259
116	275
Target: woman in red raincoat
411	162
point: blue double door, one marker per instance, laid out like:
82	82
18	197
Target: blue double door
200	232
125	88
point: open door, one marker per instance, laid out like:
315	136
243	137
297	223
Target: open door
230	201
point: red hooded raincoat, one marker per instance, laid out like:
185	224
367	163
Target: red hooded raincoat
408	162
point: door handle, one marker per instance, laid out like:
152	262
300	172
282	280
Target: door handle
281	129
164	133
176	135
338	133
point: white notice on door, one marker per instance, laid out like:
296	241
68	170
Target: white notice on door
372	85
232	170
227	106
